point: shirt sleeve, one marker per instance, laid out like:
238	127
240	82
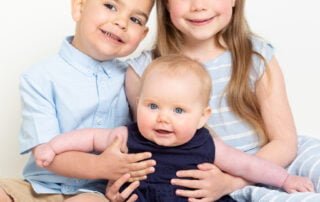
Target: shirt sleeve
140	63
39	121
266	50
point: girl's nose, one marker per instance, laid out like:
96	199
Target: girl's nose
197	5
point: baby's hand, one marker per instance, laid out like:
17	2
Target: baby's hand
297	184
44	155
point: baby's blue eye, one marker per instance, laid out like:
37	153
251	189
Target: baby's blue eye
153	106
110	7
178	110
136	20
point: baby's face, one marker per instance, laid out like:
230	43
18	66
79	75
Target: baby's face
170	108
108	29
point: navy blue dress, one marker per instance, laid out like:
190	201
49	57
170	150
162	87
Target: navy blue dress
157	187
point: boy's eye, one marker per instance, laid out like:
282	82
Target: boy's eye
136	20
110	6
153	106
178	110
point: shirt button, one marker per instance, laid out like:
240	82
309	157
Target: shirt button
99	121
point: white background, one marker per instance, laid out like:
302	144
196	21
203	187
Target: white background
32	30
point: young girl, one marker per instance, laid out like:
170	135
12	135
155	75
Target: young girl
251	110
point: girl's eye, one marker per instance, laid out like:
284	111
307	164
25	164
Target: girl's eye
136	20
110	7
153	106
178	110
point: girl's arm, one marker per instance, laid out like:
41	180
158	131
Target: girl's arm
132	86
281	132
249	167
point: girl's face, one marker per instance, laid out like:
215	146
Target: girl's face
171	108
108	29
200	20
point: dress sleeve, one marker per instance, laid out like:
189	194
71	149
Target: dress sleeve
140	63
266	50
39	121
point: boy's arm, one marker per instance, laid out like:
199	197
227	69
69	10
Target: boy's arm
247	166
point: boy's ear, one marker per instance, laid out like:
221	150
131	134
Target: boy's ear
145	33
205	116
76	6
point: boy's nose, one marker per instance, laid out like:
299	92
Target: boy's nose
121	23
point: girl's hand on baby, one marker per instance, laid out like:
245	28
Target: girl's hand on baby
113	190
297	184
204	183
113	163
43	155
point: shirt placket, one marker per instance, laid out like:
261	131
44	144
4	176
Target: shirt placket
102	80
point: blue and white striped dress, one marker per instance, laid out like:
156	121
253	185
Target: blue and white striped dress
239	134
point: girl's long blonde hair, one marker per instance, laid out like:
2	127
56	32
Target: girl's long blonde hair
236	36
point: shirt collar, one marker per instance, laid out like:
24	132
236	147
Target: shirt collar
83	62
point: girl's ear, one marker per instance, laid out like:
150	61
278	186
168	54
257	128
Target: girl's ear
205	116
76	6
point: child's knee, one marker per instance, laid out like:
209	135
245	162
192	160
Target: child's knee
4	197
88	197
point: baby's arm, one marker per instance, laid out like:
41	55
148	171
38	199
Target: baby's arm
85	140
257	170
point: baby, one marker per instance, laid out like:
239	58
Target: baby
172	111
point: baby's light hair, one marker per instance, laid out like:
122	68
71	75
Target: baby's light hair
179	65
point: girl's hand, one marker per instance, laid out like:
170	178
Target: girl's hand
209	183
113	190
113	163
297	184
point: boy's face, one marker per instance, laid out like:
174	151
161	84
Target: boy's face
108	29
170	108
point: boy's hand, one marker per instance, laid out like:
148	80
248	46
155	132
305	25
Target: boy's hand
297	184
113	190
113	163
43	155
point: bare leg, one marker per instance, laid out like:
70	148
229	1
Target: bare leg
4	196
87	197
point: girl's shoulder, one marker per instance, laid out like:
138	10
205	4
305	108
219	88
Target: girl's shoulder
263	47
266	51
140	62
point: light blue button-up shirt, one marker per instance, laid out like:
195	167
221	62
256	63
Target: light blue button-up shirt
66	92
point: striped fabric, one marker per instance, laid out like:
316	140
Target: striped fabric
239	134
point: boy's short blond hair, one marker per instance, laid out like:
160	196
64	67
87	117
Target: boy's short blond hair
180	65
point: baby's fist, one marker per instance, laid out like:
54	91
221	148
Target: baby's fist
44	155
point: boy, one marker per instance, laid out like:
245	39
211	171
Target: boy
81	87
172	110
